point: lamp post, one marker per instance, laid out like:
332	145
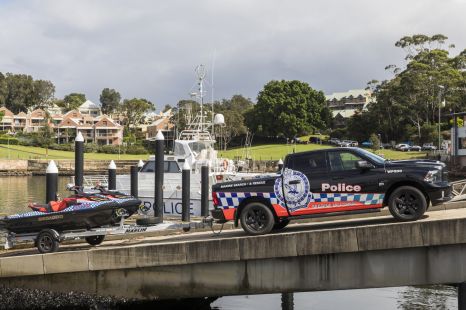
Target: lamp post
439	106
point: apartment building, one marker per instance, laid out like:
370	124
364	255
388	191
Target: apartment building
345	104
99	129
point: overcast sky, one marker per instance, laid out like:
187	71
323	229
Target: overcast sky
150	49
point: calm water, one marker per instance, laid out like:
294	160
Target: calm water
16	192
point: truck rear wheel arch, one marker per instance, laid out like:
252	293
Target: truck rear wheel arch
248	200
405	183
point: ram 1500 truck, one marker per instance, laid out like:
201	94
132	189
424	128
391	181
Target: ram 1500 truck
333	181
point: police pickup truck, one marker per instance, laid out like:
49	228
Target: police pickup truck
328	182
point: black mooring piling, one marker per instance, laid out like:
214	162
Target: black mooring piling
112	176
158	190
204	190
185	193
51	182
159	171
79	159
134	181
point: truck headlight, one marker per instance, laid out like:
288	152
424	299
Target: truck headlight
432	176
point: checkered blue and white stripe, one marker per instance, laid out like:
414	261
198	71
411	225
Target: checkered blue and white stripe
232	200
367	199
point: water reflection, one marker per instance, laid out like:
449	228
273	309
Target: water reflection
417	298
428	297
17	191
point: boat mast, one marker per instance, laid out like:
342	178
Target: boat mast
201	72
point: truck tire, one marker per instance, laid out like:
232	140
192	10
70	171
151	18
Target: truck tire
282	223
407	203
95	240
47	242
257	219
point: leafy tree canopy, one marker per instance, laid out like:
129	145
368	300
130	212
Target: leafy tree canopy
20	92
110	100
287	108
133	111
413	96
72	101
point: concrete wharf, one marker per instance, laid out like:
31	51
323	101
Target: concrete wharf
344	254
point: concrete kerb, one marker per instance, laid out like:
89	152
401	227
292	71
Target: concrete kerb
327	241
27	265
66	262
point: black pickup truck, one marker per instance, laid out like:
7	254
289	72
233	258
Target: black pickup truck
333	181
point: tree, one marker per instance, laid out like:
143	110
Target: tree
3	89
73	101
133	110
375	141
233	110
46	135
43	93
287	108
20	92
110	100
412	97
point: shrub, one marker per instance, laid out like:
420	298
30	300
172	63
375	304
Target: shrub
11	141
111	149
374	139
62	147
136	150
91	148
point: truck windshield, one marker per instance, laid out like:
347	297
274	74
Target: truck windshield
375	158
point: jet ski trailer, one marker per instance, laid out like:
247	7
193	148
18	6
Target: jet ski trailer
47	240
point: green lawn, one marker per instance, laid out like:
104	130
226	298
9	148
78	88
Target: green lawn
261	152
277	151
30	152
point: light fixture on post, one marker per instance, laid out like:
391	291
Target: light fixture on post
441	87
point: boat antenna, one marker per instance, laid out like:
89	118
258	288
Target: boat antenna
201	72
212	90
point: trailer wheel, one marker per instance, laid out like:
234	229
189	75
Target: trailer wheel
95	240
407	203
257	219
47	242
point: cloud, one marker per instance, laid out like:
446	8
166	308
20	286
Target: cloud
149	49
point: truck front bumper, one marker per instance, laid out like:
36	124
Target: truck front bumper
439	193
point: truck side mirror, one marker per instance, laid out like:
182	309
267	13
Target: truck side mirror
364	165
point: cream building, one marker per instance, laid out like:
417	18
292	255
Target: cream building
347	103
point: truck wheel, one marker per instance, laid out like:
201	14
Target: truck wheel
407	203
257	219
281	224
47	242
95	240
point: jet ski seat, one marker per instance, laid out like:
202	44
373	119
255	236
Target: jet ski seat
53	206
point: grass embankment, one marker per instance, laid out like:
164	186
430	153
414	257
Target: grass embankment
30	152
277	151
260	152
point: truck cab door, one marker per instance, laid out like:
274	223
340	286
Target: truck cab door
305	175
353	181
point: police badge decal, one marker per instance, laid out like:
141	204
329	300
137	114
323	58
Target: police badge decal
296	186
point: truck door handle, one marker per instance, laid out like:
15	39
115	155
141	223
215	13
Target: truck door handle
294	182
